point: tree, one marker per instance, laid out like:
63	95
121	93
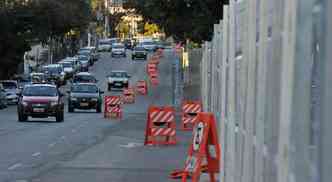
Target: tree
23	22
183	19
150	29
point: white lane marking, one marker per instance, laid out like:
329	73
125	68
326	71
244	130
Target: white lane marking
52	144
132	145
17	165
36	154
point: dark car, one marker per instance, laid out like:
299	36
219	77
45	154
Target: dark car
85	96
84	77
40	101
139	53
118	80
84	62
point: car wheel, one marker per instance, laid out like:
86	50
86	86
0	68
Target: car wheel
59	116
98	109
22	117
109	88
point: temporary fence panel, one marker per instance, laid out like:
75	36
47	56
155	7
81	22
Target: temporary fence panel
258	75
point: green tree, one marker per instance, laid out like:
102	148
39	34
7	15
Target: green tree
36	20
183	19
150	29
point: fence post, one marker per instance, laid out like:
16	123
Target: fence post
326	95
224	81
286	89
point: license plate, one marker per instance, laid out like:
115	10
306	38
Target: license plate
84	104
118	84
38	110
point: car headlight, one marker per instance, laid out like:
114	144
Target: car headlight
73	99
125	81
94	99
110	80
54	103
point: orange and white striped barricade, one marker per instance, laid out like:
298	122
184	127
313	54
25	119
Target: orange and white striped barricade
154	78
142	87
160	124
189	112
204	151
151	68
113	107
128	96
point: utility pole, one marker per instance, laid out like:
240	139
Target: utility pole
106	15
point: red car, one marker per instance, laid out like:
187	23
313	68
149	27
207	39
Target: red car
40	101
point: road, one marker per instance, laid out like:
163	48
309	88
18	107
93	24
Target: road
87	147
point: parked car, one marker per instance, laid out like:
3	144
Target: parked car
118	79
11	88
40	101
3	99
118	49
84	77
55	73
139	53
85	96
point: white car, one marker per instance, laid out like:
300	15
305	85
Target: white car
68	68
118	49
105	45
11	90
118	80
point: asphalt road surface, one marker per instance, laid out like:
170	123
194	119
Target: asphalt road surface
87	147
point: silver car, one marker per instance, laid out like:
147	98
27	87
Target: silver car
117	80
11	88
3	99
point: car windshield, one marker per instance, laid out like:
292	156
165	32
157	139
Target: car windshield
9	85
40	91
118	74
81	57
139	49
84	53
84	89
84	78
118	46
67	65
148	43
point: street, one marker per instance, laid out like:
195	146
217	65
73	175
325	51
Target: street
86	147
